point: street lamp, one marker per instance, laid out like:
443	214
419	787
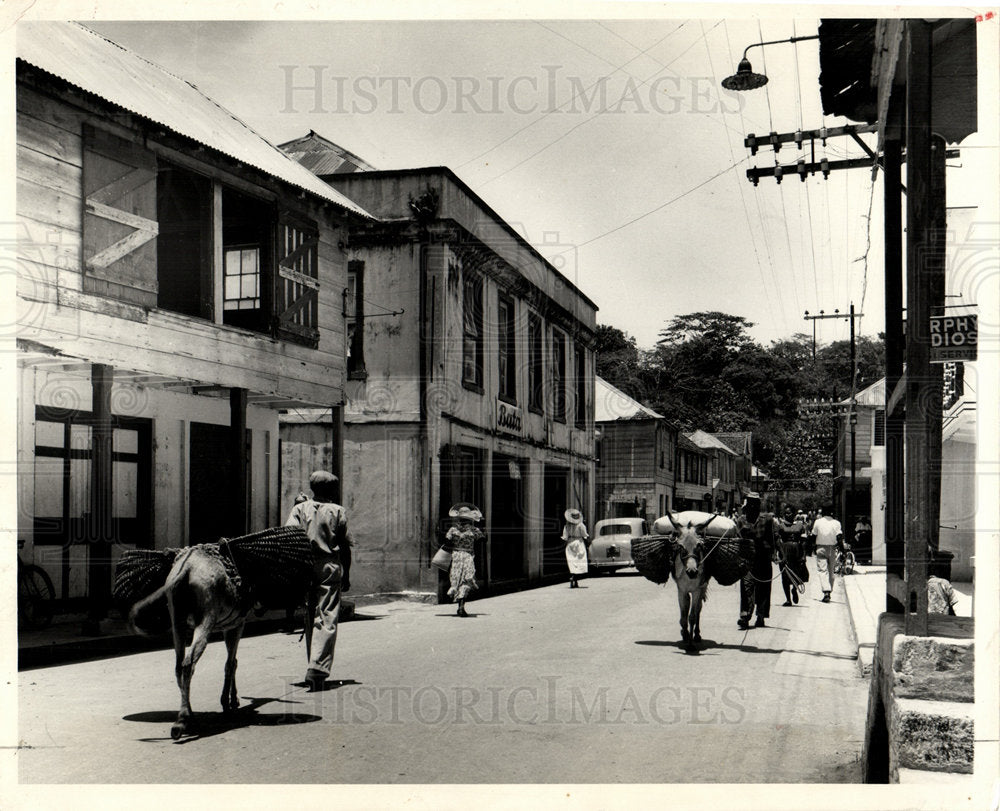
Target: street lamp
745	78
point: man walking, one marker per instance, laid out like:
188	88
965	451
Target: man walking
326	525
829	535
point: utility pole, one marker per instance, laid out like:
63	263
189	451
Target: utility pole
852	417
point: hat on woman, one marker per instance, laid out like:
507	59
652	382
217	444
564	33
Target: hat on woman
464	511
573	516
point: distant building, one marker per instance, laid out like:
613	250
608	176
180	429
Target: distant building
958	450
724	494
692	481
740	443
470	377
636	457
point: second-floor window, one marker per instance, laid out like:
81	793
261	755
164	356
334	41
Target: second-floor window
354	311
535	377
472	332
506	360
581	387
878	427
150	231
558	376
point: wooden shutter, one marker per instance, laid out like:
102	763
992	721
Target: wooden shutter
296	295
119	219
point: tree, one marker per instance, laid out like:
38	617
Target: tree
618	360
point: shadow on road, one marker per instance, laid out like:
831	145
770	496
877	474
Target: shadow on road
470	615
709	644
209	724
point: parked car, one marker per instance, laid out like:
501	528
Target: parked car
611	547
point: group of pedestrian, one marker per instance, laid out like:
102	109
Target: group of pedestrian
785	540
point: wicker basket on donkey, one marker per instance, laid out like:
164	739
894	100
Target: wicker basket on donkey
728	560
275	564
652	555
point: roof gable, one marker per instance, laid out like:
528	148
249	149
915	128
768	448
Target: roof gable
99	66
613	404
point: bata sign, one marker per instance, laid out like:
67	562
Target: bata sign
509	418
953	337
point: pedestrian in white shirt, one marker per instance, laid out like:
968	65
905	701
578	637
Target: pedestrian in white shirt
829	535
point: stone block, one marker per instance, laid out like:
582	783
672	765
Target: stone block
931	667
930	735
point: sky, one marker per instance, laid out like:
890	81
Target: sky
608	144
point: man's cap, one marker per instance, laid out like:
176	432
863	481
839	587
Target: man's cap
322	477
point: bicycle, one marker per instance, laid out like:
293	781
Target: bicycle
845	560
35	595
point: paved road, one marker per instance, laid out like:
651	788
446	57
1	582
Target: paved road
551	685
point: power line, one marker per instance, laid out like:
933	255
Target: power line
575	95
595	115
739	185
760	213
654	210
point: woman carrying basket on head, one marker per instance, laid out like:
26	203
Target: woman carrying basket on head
575	536
461	540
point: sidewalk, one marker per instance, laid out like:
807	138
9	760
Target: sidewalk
864	591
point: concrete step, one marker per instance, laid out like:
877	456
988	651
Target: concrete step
933	667
930	735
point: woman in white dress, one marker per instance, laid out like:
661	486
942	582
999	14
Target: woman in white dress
575	536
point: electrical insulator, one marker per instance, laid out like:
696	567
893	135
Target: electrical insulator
822	134
824	166
798	138
775	142
752	143
800	167
777	174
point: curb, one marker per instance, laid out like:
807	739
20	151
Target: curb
865	650
119	642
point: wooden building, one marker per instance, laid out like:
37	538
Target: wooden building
692	490
723	492
179	283
636	457
470	377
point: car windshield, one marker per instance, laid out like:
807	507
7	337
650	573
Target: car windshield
616	529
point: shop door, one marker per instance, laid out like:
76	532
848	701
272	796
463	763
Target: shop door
553	549
210	496
506	541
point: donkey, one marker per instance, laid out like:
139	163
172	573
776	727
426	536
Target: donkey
690	575
202	596
212	587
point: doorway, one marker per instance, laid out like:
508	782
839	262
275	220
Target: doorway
555	487
506	539
212	468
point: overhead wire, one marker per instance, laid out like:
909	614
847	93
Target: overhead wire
781	196
575	95
654	210
760	212
812	233
586	121
739	184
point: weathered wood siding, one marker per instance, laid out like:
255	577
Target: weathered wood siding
55	310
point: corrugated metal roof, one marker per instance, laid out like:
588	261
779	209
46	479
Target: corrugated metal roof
99	66
738	441
705	440
685	444
321	156
613	404
873	396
